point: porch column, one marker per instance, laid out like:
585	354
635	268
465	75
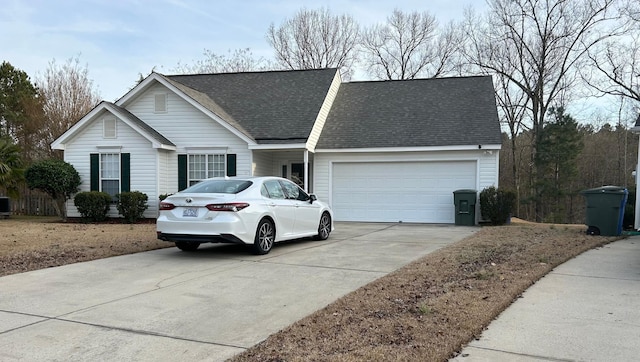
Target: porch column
636	223
306	170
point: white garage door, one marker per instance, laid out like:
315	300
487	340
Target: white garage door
399	191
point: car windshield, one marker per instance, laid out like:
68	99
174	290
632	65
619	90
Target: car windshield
219	187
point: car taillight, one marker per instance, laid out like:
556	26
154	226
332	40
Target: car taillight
233	206
167	206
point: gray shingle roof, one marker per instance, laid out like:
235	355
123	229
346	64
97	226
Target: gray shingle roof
137	121
268	106
413	113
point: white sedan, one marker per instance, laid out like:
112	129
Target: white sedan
257	211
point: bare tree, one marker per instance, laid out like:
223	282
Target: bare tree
67	94
512	108
618	60
315	39
238	60
410	45
538	46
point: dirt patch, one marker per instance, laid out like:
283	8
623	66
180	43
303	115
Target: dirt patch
426	311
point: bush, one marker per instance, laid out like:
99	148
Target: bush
57	178
132	205
164	196
93	205
496	205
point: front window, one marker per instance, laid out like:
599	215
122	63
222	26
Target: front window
206	166
110	173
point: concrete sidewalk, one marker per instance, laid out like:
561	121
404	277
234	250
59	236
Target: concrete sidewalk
168	305
587	309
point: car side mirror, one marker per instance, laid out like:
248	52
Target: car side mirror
312	198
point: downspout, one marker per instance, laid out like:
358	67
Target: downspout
306	170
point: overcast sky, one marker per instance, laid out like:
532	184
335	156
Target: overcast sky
120	39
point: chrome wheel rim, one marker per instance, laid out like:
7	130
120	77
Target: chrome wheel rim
265	236
325	226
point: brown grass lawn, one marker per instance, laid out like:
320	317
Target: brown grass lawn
425	311
30	243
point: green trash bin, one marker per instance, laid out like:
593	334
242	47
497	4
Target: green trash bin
465	202
605	210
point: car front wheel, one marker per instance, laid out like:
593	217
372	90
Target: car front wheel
187	246
324	228
265	236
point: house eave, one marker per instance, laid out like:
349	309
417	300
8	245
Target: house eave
59	143
140	131
411	149
290	146
165	147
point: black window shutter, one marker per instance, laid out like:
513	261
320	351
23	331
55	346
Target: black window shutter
182	172
125	172
94	183
231	164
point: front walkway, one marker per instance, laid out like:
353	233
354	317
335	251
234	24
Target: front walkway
587	309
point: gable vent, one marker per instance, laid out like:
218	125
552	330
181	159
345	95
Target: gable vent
109	128
160	103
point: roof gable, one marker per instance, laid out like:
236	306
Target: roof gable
413	113
273	107
157	140
198	99
142	127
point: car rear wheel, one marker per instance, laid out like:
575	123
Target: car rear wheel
187	246
324	228
265	236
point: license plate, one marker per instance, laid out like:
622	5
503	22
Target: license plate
190	212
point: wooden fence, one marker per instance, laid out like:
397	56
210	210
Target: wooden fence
32	203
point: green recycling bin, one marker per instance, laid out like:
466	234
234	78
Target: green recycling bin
605	210
465	202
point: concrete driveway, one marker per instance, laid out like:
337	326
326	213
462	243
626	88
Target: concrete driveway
209	305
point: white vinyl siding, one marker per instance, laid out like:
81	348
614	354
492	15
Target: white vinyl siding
262	164
187	127
143	167
166	166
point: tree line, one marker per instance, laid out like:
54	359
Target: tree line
545	56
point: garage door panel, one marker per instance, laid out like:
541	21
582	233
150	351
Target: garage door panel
399	191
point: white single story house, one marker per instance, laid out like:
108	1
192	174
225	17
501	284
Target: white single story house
376	151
